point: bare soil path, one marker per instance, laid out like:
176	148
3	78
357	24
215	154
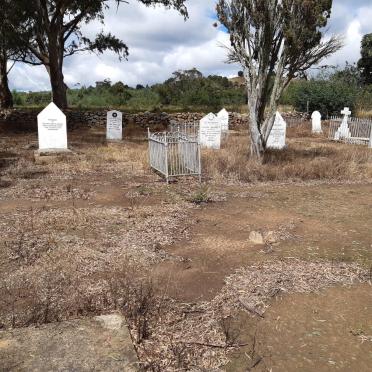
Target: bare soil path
330	222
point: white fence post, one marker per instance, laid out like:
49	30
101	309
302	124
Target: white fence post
370	139
166	158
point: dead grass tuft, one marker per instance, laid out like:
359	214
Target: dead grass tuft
202	335
307	159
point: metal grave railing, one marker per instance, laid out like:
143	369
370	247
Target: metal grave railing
357	132
191	128
174	154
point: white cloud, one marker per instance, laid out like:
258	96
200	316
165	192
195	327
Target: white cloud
160	42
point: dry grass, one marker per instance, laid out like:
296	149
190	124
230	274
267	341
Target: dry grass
307	158
364	114
200	337
61	263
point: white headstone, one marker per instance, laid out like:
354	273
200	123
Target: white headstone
114	130
343	131
210	132
277	138
223	115
52	129
317	122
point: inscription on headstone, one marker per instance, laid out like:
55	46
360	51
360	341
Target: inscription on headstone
114	130
223	115
52	129
210	132
277	138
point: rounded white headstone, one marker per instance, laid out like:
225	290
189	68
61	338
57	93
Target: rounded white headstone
316	122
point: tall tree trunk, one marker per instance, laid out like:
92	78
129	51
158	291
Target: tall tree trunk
55	70
59	88
257	141
6	98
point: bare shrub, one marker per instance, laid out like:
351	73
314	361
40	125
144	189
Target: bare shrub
139	307
230	331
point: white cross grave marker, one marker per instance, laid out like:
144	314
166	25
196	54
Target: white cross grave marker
317	122
343	131
52	129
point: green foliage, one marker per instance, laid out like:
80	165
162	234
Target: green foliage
190	88
328	97
365	63
201	196
329	92
18	98
185	91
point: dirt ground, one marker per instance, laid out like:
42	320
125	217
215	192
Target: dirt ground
75	230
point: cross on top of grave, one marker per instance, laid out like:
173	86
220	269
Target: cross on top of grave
346	111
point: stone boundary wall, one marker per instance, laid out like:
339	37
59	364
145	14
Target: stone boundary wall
26	119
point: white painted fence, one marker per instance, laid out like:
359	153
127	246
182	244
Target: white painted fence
359	131
174	154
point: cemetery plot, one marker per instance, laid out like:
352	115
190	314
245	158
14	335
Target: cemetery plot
174	154
351	130
99	232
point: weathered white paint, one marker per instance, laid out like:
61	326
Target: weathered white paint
223	115
316	122
277	137
210	132
344	131
114	130
52	129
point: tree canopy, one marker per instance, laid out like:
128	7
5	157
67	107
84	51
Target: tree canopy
274	41
53	31
365	63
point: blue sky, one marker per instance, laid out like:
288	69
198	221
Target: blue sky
160	42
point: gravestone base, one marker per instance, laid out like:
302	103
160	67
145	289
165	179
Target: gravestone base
49	156
114	141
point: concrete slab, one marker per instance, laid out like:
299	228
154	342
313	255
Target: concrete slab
91	344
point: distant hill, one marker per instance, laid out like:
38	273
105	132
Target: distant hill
238	81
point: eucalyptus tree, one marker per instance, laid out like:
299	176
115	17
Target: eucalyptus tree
56	33
365	63
274	41
12	16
